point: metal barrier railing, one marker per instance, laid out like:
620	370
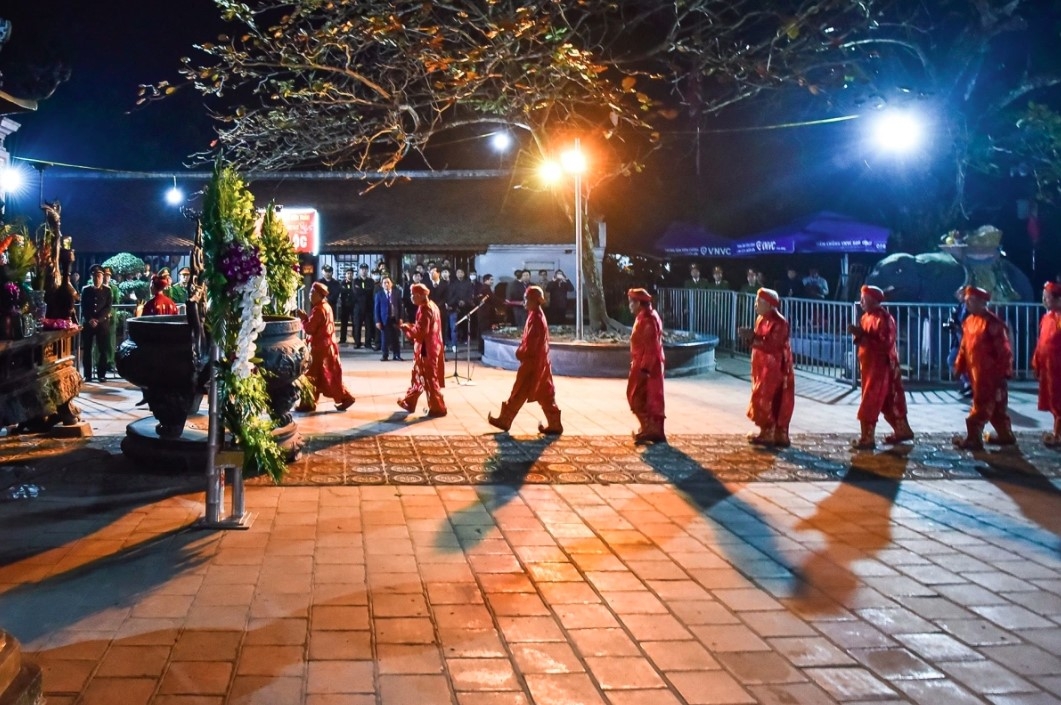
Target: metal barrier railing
821	344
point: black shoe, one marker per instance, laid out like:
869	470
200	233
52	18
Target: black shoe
384	359
398	359
358	347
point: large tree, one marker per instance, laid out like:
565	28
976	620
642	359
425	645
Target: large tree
369	84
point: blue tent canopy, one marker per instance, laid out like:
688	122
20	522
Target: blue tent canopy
692	240
822	232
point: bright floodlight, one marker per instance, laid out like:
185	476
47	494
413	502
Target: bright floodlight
174	196
574	161
551	171
501	141
897	132
11	180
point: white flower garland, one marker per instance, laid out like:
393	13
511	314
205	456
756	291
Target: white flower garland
254	294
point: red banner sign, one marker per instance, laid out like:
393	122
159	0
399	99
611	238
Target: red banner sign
303	225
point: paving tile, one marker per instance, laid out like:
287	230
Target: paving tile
709	688
776	623
895	664
938	647
805	652
926	692
128	691
977	632
585	616
679	656
623	673
492	698
641	697
420	689
482	674
651	627
757	668
1012	617
340	645
563	689
791	693
196	678
849	683
409	630
203	645
727	637
546	658
987	678
471	643
519	629
339	677
408	659
249	690
132	661
603	642
271	661
1024	659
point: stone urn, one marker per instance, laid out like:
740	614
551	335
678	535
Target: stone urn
284	357
157	356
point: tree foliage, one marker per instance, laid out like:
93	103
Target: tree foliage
367	84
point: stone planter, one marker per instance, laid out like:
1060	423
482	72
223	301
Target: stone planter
285	357
157	356
582	359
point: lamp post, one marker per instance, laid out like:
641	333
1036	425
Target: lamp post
573	161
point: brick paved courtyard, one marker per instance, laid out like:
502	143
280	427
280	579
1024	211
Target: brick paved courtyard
583	570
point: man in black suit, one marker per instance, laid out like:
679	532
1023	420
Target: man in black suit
95	321
364	292
333	288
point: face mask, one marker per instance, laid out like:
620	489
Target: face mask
375	277
473	277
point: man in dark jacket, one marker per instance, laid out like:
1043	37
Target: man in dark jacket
346	303
458	303
333	287
95	321
364	289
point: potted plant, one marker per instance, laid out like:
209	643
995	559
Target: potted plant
282	352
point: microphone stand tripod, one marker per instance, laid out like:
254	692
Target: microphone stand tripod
467	347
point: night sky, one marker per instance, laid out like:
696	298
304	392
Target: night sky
110	47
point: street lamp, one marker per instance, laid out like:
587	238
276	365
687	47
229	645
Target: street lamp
573	162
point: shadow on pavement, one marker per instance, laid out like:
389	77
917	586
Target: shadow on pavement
718	503
1035	494
508	468
856	524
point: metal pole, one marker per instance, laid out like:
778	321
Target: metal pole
214	482
578	249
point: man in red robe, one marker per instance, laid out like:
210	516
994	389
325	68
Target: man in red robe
882	380
160	304
986	357
325	370
644	386
429	373
534	379
1046	362
773	375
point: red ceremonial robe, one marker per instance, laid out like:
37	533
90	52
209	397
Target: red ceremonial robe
534	379
986	357
429	360
161	305
773	376
1047	363
325	371
644	386
878	359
